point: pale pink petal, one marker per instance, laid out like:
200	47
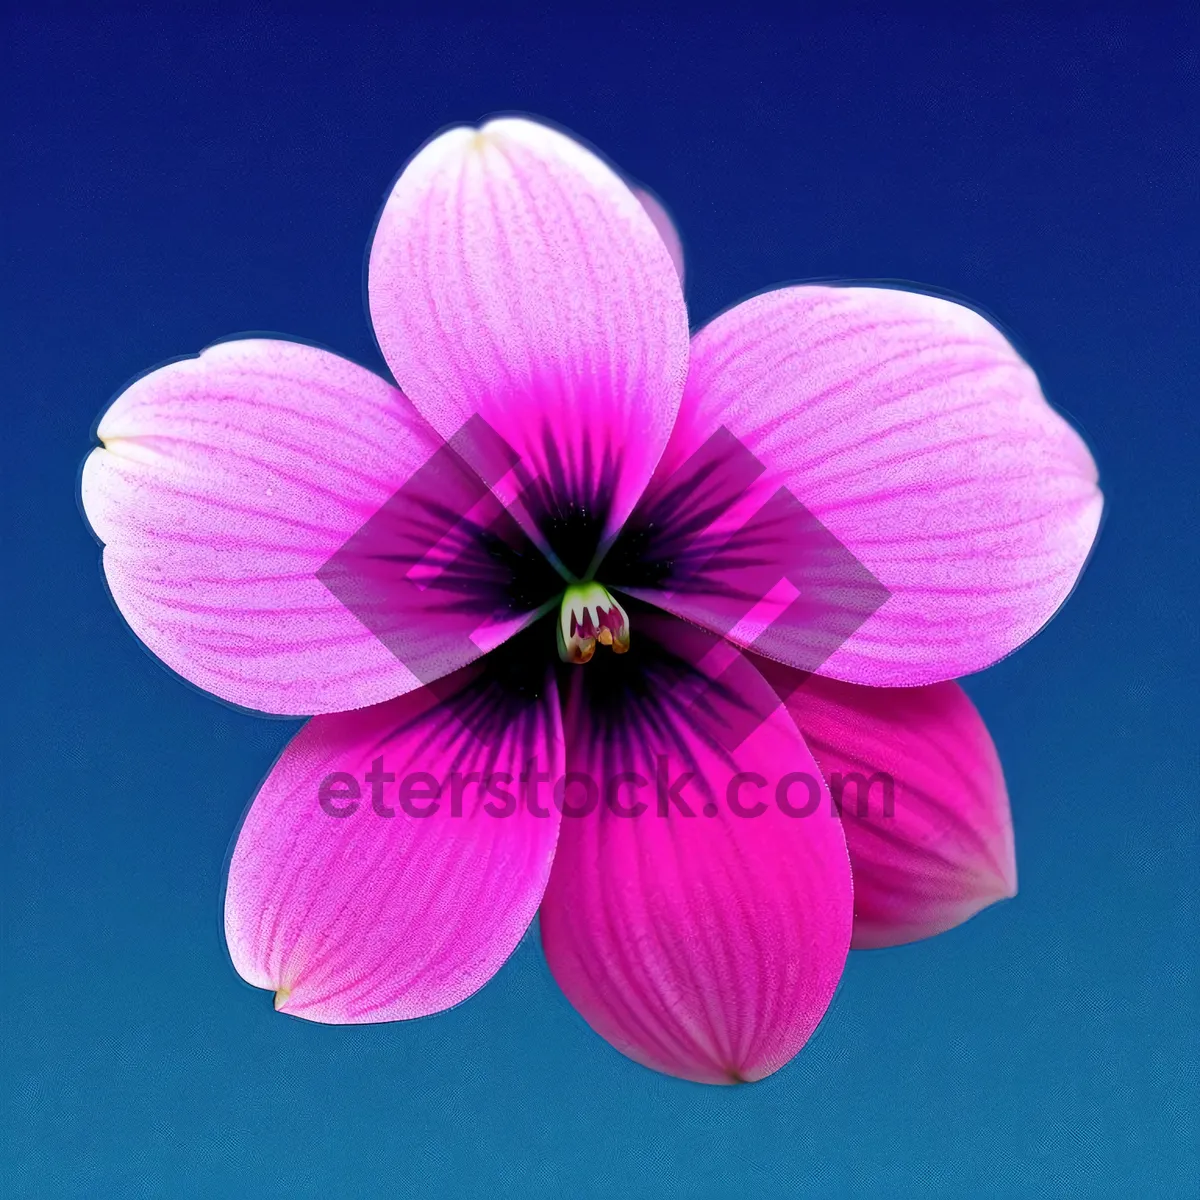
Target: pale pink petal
665	226
910	432
923	802
705	944
252	500
381	913
514	278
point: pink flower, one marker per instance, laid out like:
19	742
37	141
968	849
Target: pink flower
858	482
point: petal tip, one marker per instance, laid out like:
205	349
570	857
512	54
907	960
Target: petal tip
481	140
1006	889
998	880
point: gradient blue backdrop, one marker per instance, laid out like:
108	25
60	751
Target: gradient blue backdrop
170	181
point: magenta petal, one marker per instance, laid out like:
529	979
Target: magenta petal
912	431
665	226
224	484
704	944
355	906
924	806
515	278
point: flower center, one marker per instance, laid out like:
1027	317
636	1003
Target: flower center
589	615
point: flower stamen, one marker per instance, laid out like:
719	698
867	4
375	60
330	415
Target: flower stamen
589	615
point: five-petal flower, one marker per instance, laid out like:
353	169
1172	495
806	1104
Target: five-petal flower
274	532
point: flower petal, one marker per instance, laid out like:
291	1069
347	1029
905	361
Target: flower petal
381	913
665	226
702	943
923	803
515	278
910	430
260	506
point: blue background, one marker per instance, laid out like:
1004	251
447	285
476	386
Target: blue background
172	180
